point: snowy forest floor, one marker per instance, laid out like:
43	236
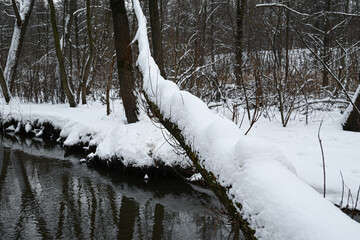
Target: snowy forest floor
300	144
143	144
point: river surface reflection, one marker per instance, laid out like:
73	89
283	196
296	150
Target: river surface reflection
44	195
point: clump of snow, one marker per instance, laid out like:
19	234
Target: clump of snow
18	127
28	127
40	132
276	203
195	177
10	129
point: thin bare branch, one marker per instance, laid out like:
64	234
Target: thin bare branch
17	14
283	6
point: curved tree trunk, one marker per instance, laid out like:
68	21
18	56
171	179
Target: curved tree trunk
124	59
22	18
63	76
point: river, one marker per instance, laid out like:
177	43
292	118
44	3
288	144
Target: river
47	195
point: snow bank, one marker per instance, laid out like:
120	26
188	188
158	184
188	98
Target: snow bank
137	144
299	143
276	203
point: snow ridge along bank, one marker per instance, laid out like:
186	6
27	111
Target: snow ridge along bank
140	144
276	203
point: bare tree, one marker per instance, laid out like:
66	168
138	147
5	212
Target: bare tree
22	14
59	54
91	53
124	59
240	14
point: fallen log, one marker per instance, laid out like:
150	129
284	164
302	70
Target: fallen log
256	184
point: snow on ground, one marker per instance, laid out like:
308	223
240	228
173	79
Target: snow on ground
300	144
137	144
276	203
273	172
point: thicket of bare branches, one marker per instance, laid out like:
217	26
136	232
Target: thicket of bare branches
295	55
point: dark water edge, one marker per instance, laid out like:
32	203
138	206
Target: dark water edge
50	136
46	195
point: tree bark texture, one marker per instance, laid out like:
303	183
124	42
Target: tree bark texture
89	60
240	13
326	43
4	86
156	34
59	55
124	59
353	121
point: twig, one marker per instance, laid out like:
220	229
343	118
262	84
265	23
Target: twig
342	191
323	158
356	202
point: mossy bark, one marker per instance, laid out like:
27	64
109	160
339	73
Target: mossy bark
208	176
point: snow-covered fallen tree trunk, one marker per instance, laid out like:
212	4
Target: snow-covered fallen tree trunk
254	182
352	116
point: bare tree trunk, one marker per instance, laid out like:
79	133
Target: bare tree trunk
4	86
240	13
63	76
109	87
91	53
22	18
326	44
156	35
124	59
353	121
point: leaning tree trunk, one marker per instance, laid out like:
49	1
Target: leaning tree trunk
59	55
22	18
209	177
124	59
352	122
149	69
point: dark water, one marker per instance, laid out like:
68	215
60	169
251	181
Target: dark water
44	195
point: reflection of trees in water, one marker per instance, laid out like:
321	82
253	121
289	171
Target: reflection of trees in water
59	199
30	206
158	225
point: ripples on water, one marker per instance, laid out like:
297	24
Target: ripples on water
44	195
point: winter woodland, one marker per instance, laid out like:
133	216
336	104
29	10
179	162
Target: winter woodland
260	99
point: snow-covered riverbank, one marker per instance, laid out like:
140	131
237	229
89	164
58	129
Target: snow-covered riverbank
142	144
139	145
